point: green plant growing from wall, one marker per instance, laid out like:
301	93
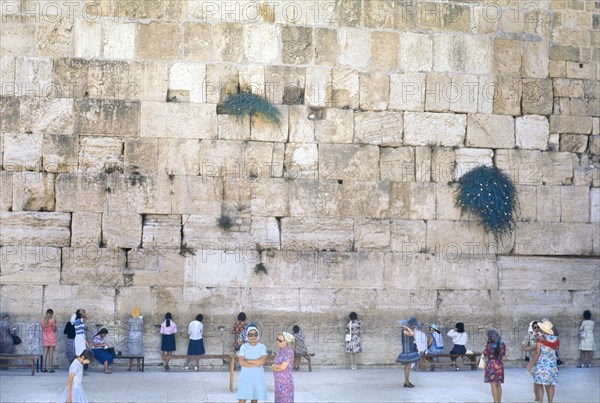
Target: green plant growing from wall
225	222
490	194
247	104
260	268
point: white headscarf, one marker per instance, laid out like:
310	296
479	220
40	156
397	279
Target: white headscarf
249	327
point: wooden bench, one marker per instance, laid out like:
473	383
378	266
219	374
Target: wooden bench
34	359
423	362
298	360
231	358
130	356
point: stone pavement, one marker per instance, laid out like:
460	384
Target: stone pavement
321	385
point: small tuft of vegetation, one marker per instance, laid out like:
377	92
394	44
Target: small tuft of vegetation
260	268
185	250
225	222
249	104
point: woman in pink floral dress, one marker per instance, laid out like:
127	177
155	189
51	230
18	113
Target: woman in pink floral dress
282	369
495	349
48	325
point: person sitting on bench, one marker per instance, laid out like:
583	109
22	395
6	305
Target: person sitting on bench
459	338
103	352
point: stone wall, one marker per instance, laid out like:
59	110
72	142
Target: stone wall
118	163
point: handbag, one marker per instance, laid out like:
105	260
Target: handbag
482	363
349	335
16	339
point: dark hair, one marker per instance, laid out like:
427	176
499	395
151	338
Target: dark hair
296	328
102	331
353	316
199	317
242	316
587	315
49	311
460	327
87	355
168	317
78	314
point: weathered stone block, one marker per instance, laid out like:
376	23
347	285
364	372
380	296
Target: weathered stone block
379	128
198	41
158	40
460	240
190	77
438	92
230	127
327	234
301	160
297	44
412	200
6	183
19	32
443	162
123	230
531	132
311	198
262	129
203	232
554	238
595	205
408	60
507	95
485	94
379	14
336	126
350	13
407	92
118	40
29	75
535	59
101	155
470	158
222	158
80	192
92	266
371	234
490	131
178	120
374	91
350	162
60	153
33	191
10	114
325	45
594	147
193	195
445	205
346	88
161	232
86	229
557	167
29	228
450	129
570	124
537	96
264	231
581	70
408	236
527	202
154	81
384	50
564	87
479	52
318	87
523	166
55	37
227	42
269	198
252	79
23	264
262	43
346	268
141	156
107	117
573	143
260	161
575	201
397	164
179	156
549	203
22	152
449	51
463	93
283	80
369	199
354	48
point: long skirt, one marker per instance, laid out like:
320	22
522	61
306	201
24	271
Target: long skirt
70	350
102	355
168	342
196	347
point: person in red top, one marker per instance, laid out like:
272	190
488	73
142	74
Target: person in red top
238	331
48	325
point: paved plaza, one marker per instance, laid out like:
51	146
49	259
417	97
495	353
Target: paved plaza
321	385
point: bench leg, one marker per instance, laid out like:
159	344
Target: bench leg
143	364
231	368
309	363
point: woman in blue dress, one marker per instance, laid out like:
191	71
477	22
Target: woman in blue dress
74	391
409	354
252	356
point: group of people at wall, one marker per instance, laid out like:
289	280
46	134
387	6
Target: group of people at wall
541	341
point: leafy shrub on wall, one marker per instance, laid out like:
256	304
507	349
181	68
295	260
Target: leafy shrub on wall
248	104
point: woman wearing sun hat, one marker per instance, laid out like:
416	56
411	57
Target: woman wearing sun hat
435	343
409	355
135	339
252	357
543	366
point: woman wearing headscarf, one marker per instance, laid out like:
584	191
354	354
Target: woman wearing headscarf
81	342
587	344
409	354
135	338
495	349
435	343
251	358
7	345
69	331
543	366
530	339
282	369
352	338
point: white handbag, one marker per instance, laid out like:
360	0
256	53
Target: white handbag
482	362
349	335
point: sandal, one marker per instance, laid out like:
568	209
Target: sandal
44	370
409	385
51	371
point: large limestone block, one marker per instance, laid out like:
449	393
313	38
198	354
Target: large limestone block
412	200
408	236
270	198
453	304
191	195
86	229
554	238
112	79
570	124
537	96
464	238
595	205
325	44
508	93
227	42
374	91
443	161
262	43
478	54
345	270
527	203
42	115
22	151
549	203
420	302
17	299
197	41
532	132
408	269
179	156
18	34
301	160
118	40
449	52
107	117
410	61
575	201
157	267
120	229
154	81
317	233
80	192
379	14
6	183
490	131
161	231
397	164
378	128
370	199
262	129
252	79
141	156
350	162
438	92
371	234
470	158
260	161
546	273
407	92
297	44
93	266
222	158
60	153
189	76
574	143
384	50
33	191
354	48
557	167
565	87
524	167
178	120
203	231
423	164
445	205
449	129
264	231
230	127
463	93
317	91
284	83
158	40
56	37
311	198
101	154
221	81
486	91
337	126
212	267
345	88
33	228
10	117
301	127
535	59
23	264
